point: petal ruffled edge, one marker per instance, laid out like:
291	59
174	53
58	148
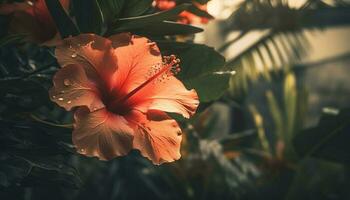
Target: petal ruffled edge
101	134
169	96
72	88
157	140
93	52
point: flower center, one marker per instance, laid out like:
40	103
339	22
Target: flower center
157	73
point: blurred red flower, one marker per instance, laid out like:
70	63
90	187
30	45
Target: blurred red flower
33	18
185	17
121	89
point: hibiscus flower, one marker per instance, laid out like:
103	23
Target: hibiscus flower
34	19
185	17
121	89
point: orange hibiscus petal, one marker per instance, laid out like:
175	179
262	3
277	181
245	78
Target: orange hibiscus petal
101	134
159	141
165	4
93	52
169	95
136	57
23	21
31	18
72	88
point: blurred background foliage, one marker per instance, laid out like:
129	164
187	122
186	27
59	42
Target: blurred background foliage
272	124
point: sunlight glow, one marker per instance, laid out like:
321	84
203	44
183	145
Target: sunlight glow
222	9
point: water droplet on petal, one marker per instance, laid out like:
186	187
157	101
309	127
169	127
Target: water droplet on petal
81	150
60	99
67	82
74	55
174	124
69	102
54	97
30	3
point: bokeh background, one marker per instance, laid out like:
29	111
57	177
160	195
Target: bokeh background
280	131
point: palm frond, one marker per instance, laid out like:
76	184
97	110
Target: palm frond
272	51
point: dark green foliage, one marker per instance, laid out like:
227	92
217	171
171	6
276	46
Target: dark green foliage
111	9
166	28
33	153
154	24
64	24
11	39
88	16
17	95
134	8
215	85
329	140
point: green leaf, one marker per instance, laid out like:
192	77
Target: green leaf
209	86
201	13
12	170
134	23
28	170
51	170
167	28
111	9
114	9
133	8
63	22
11	39
202	68
22	95
196	59
88	15
32	153
329	140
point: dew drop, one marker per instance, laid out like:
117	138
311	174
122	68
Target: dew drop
69	102
66	82
60	99
30	3
81	150
74	55
54	97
